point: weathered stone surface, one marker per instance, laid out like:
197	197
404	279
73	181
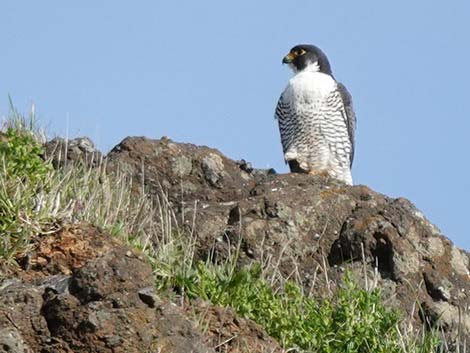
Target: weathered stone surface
89	293
229	333
186	171
80	149
307	226
12	341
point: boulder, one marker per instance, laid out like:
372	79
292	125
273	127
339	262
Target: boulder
63	151
310	227
81	290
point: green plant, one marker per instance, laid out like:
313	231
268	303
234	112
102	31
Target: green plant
354	320
23	173
21	156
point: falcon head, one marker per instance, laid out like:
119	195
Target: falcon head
304	56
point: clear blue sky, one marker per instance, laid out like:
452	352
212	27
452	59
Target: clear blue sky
209	72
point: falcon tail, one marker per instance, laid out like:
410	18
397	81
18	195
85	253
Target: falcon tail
294	167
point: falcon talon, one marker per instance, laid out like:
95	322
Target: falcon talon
316	118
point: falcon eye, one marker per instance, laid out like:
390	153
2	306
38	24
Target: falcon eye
300	52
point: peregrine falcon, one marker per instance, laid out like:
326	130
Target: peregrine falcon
316	117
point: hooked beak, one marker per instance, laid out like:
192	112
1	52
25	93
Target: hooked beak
288	58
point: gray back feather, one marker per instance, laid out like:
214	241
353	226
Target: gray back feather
350	117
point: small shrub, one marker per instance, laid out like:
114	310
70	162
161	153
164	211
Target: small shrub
21	156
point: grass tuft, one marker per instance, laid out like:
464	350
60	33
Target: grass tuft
35	198
23	176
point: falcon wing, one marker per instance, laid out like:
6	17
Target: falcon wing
286	119
349	116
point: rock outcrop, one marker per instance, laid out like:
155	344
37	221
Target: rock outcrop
311	227
82	149
81	290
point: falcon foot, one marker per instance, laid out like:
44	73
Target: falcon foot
321	173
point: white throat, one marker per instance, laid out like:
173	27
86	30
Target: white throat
312	67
